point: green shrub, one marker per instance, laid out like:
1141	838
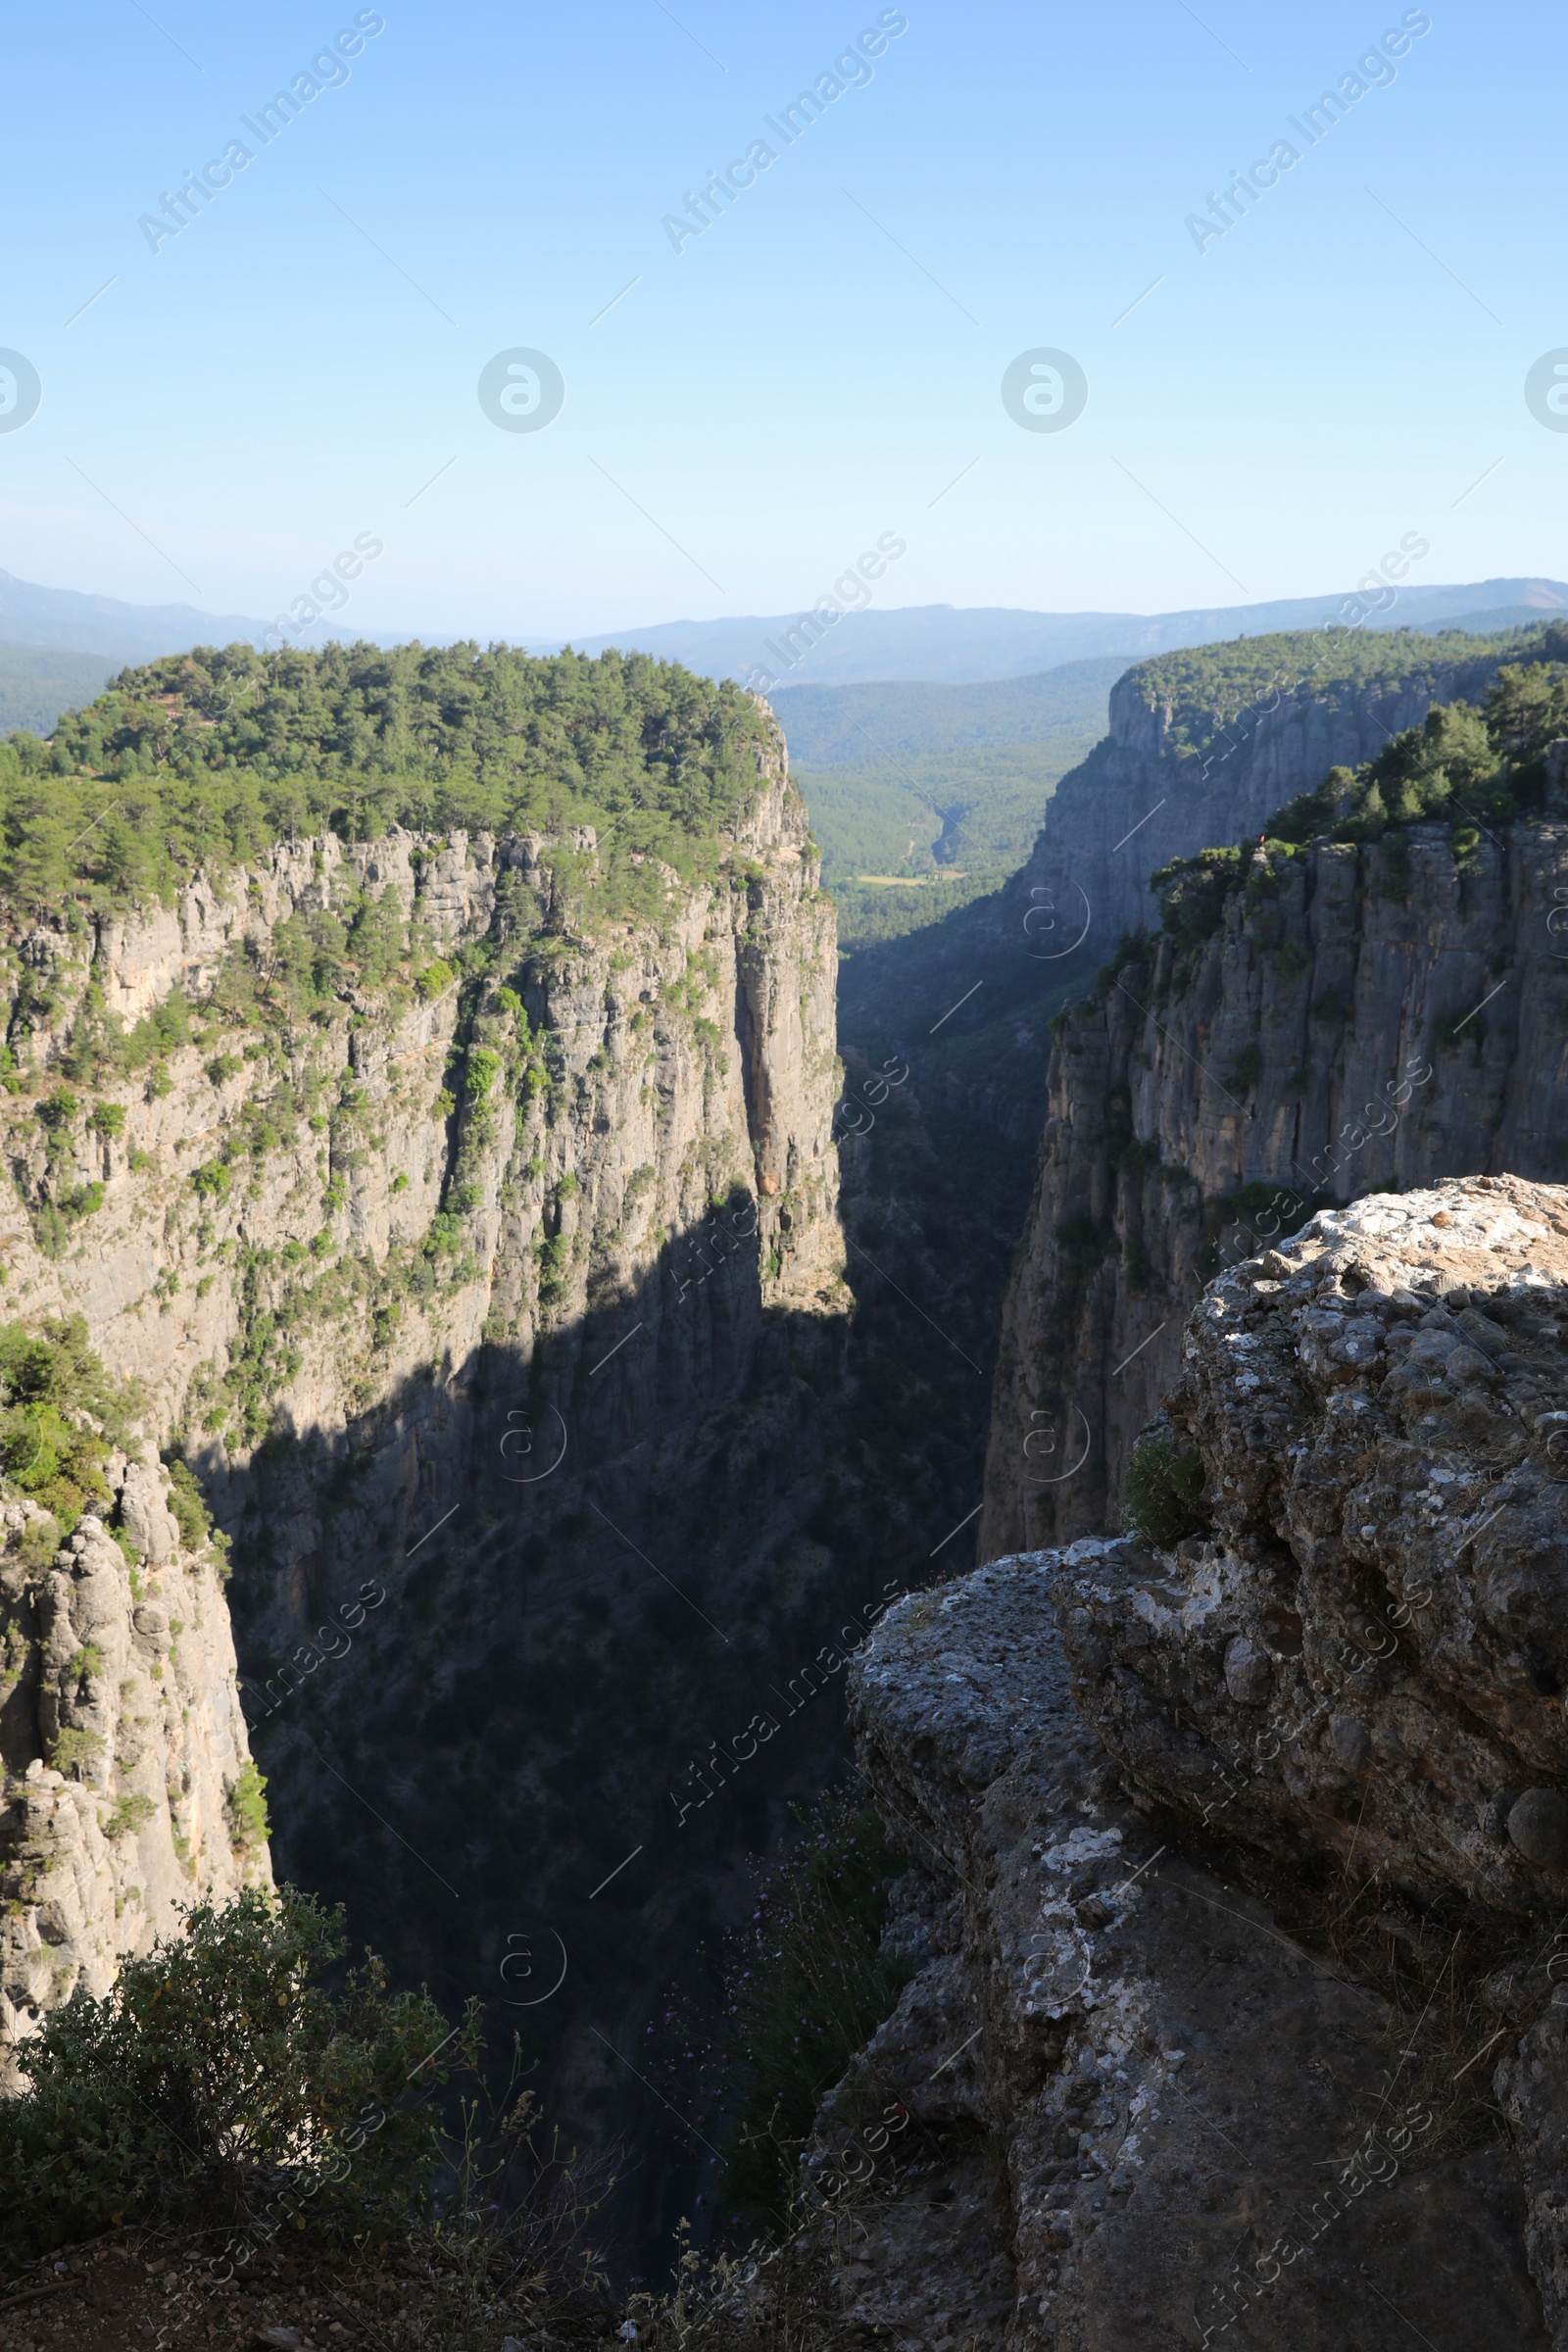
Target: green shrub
188	1503
81	1200
555	1255
434	980
1139	1155
57	1110
73	1749
222	2080
246	1808
214	1180
480	1071
1192	892
127	1815
1164	1491
49	1380
107	1119
1246	1069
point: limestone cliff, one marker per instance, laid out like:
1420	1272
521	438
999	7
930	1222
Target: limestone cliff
1202	747
1233	1866
473	1231
129	1791
340	1135
1357	1018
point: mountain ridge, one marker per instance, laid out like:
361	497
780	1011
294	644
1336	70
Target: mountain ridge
947	644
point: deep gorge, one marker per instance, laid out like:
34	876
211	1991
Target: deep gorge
580	1303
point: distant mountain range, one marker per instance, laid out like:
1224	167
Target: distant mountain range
64	618
960	644
935	645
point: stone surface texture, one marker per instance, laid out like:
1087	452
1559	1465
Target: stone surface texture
1144	2114
1380	1411
134	1671
1388	1015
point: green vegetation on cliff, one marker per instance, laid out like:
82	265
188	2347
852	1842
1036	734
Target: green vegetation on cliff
1215	692
1476	768
207	759
60	1411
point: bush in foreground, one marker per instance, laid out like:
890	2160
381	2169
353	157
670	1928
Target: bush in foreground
222	2080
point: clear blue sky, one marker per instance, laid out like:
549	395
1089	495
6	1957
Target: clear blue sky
810	372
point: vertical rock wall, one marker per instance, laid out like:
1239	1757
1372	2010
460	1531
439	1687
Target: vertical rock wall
119	1669
1367	1019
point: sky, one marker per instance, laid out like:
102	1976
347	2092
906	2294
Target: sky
746	406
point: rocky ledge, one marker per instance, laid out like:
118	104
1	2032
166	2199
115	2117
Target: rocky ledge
1235	1858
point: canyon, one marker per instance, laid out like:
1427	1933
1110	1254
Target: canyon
555	1307
1202	747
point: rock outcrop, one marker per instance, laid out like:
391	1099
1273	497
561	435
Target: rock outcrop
1358	1019
1233	1865
1203	746
128	1788
1374	1590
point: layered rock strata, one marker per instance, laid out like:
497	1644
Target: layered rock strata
1362	1018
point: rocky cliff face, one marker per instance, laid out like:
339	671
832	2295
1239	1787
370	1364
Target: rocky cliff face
1233	1866
128	1788
490	1278
1197	755
1360	1018
621	1036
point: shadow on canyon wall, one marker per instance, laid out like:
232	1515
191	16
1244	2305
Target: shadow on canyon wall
539	1652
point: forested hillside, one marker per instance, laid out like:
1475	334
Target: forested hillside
219	754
